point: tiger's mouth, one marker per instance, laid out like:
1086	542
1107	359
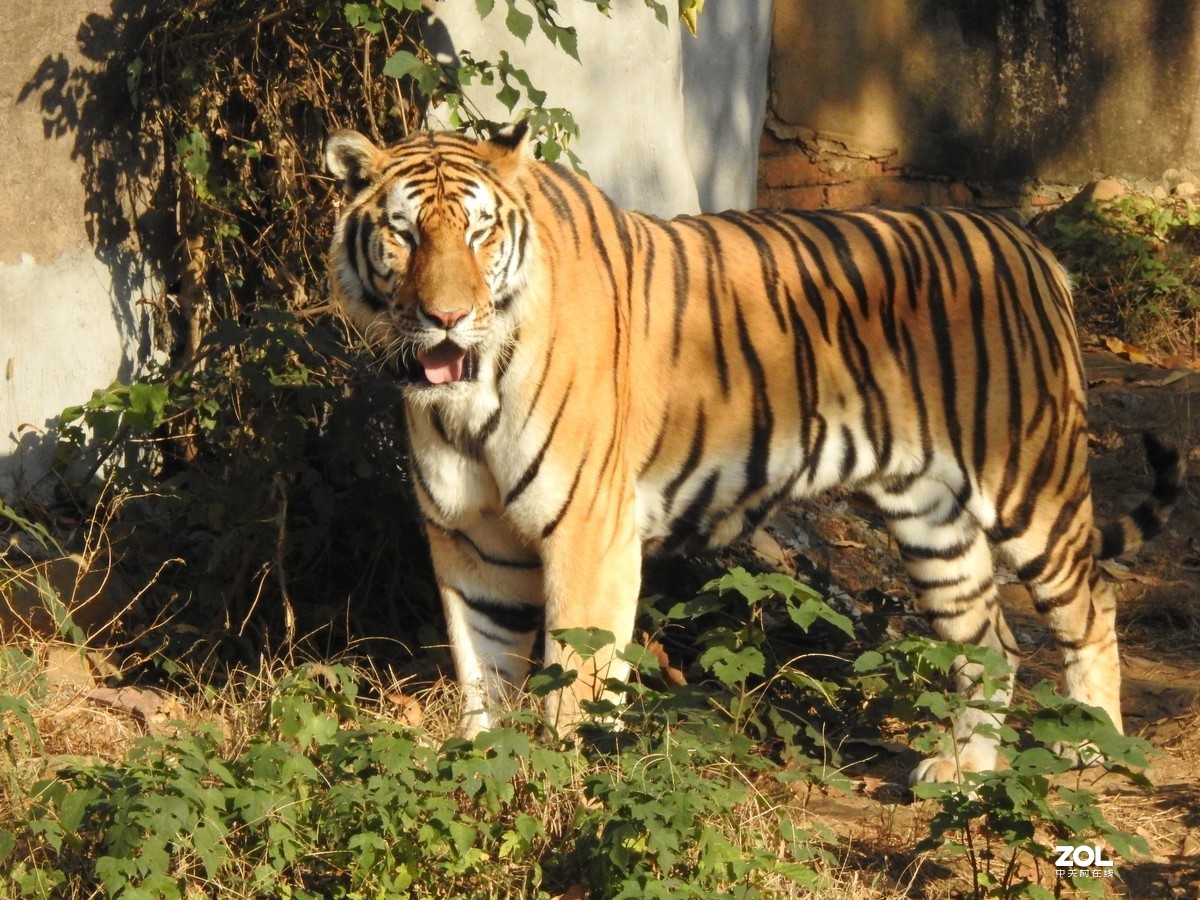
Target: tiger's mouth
441	364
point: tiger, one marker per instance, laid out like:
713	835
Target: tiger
585	385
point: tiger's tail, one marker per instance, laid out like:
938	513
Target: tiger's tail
1129	532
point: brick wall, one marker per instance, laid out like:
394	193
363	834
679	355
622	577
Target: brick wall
798	169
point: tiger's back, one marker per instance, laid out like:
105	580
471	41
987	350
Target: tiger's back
862	350
587	384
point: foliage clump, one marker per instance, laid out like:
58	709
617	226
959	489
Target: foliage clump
309	787
1136	260
262	451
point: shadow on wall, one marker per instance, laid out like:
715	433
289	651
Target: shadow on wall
725	96
128	211
994	91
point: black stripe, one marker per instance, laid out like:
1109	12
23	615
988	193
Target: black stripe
954	551
655	449
979	323
492	560
536	463
846	257
488	428
648	244
931	584
866	224
435	416
752	229
511	615
687	523
557	199
790	226
980	633
415	468
599	245
550	527
716	286
679	268
849	455
942	265
690	462
762	418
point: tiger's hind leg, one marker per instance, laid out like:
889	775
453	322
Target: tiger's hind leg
491	590
1055	561
950	563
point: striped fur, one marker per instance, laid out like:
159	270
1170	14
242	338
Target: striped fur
610	384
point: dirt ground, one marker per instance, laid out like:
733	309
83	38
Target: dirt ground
1158	622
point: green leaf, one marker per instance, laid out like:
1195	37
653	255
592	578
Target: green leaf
8	843
508	95
550	150
361	15
517	22
660	11
826	689
733	667
869	661
738	579
640	659
569	41
586	642
485	7
551	679
809	610
942	706
404	63
401	63
696	607
146	404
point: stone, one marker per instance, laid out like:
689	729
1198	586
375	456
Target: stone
1100	191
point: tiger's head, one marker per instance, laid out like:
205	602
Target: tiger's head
432	248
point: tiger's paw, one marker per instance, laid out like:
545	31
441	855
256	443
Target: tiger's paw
974	756
935	770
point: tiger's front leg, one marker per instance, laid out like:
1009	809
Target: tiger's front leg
491	590
593	579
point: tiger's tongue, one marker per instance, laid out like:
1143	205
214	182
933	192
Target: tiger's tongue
443	364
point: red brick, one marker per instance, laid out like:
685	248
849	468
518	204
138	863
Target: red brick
845	196
793	169
896	191
812	197
769	145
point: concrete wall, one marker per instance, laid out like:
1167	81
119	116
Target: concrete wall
1004	103
68	285
668	123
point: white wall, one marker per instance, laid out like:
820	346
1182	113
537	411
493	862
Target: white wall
69	322
668	123
724	100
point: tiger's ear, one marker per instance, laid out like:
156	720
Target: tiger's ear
505	150
352	159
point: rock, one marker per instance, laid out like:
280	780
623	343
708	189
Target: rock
1095	192
1099	191
93	594
1185	189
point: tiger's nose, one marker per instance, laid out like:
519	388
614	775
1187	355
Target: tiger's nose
447	318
